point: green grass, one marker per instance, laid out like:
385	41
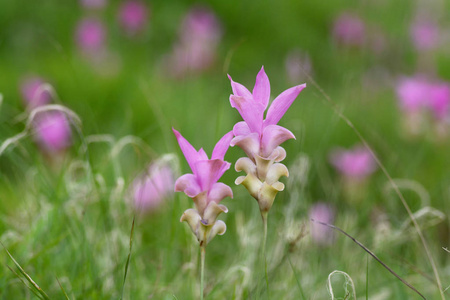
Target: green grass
66	226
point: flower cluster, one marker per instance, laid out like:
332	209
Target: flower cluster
203	188
261	138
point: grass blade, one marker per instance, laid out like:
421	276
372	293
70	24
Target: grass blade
21	279
34	284
296	278
129	257
373	255
62	289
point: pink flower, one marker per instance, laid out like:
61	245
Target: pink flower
349	30
202	185
440	100
53	131
356	163
90	35
419	93
201	25
255	135
152	187
413	93
322	234
33	92
133	16
424	34
199	37
94	4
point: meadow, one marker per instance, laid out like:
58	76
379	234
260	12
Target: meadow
87	202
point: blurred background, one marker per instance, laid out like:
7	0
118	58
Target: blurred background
90	91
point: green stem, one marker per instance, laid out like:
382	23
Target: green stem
202	269
264	218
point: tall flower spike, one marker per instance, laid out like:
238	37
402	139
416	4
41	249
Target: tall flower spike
203	188
261	138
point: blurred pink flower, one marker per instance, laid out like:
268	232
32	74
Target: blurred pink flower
297	64
33	93
356	163
321	234
424	34
133	16
440	100
257	136
349	30
417	94
412	93
90	36
152	187
199	37
94	4
200	24
53	132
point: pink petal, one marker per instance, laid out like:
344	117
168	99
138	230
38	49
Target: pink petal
239	89
272	137
252	112
281	104
222	146
189	152
202	154
219	191
209	171
188	184
261	91
241	128
249	143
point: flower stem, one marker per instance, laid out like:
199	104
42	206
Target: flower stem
202	269
264	218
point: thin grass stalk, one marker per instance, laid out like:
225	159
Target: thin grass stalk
129	257
264	216
373	255
296	277
202	269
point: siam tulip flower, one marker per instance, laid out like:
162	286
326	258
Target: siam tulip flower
199	37
155	185
90	36
133	16
320	234
33	92
349	30
424	34
260	138
94	4
203	188
355	164
53	132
